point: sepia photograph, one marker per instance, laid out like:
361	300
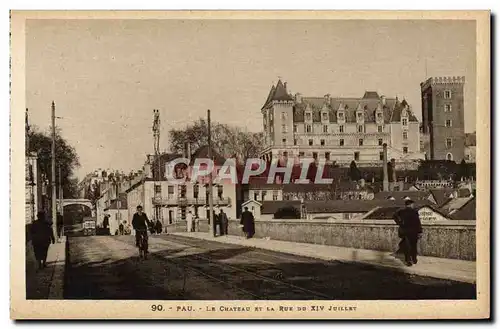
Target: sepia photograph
239	165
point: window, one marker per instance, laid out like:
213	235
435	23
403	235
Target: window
447	94
448	123
271	116
283	115
447	107
325	116
360	115
449	143
308	128
360	129
301	154
405	121
380	142
308	116
341	142
327	156
284	141
158	189
405	135
467	157
220	191
360	142
315	155
449	157
196	190
322	142
325	128
356	156
285	154
405	150
379	116
341	115
381	156
275	195
170	190
255	196
294	128
310	142
341	128
380	129
283	128
295	142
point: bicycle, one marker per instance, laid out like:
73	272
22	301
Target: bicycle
142	243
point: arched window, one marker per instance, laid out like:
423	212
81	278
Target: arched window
449	157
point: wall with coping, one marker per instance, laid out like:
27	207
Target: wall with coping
450	239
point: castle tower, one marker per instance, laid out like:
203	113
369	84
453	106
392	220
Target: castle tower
443	117
277	115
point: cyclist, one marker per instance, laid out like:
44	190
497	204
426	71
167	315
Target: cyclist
140	223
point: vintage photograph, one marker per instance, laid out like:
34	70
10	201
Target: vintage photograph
217	165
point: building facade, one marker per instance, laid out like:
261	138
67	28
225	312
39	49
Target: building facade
443	118
339	130
33	188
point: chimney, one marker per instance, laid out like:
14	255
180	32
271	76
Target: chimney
384	162
298	98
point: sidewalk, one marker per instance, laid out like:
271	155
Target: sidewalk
47	283
442	268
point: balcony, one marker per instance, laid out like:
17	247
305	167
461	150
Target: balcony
158	201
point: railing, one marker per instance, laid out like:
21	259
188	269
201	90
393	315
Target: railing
224	201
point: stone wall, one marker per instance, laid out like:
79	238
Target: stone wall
451	239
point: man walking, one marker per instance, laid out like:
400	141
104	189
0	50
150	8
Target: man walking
41	238
189	221
248	223
410	230
59	226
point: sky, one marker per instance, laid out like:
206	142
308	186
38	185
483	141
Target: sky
107	76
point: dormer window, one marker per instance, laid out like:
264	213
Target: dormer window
404	121
360	116
308	116
341	115
324	116
379	116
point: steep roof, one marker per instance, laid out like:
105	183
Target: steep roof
454	204
442	195
371	94
278	93
401	195
388	211
466	212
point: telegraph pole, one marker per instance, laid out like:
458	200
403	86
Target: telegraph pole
53	178
61	198
210	185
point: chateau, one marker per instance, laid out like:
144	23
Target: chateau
338	129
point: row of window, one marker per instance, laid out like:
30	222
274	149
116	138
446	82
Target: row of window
263	195
325	116
341	141
183	191
356	154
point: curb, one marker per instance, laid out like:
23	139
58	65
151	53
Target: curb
56	288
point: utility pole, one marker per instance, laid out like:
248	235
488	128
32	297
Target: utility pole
61	198
53	178
210	184
30	167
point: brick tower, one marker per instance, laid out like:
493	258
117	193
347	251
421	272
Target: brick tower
443	117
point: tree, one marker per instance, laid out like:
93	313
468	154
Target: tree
226	140
66	159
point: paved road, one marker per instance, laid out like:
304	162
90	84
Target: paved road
108	267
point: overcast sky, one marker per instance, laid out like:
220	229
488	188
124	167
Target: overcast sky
107	76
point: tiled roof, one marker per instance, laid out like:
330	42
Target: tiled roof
388	211
271	207
442	195
401	195
371	94
278	93
202	153
466	212
453	204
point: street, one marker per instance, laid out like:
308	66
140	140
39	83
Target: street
180	268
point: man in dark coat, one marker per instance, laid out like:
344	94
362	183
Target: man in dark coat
41	238
410	230
59	225
248	222
158	227
141	223
215	222
223	222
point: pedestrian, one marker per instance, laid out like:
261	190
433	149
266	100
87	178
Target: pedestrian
248	223
121	228
59	225
223	222
41	238
215	222
410	230
158	227
189	221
